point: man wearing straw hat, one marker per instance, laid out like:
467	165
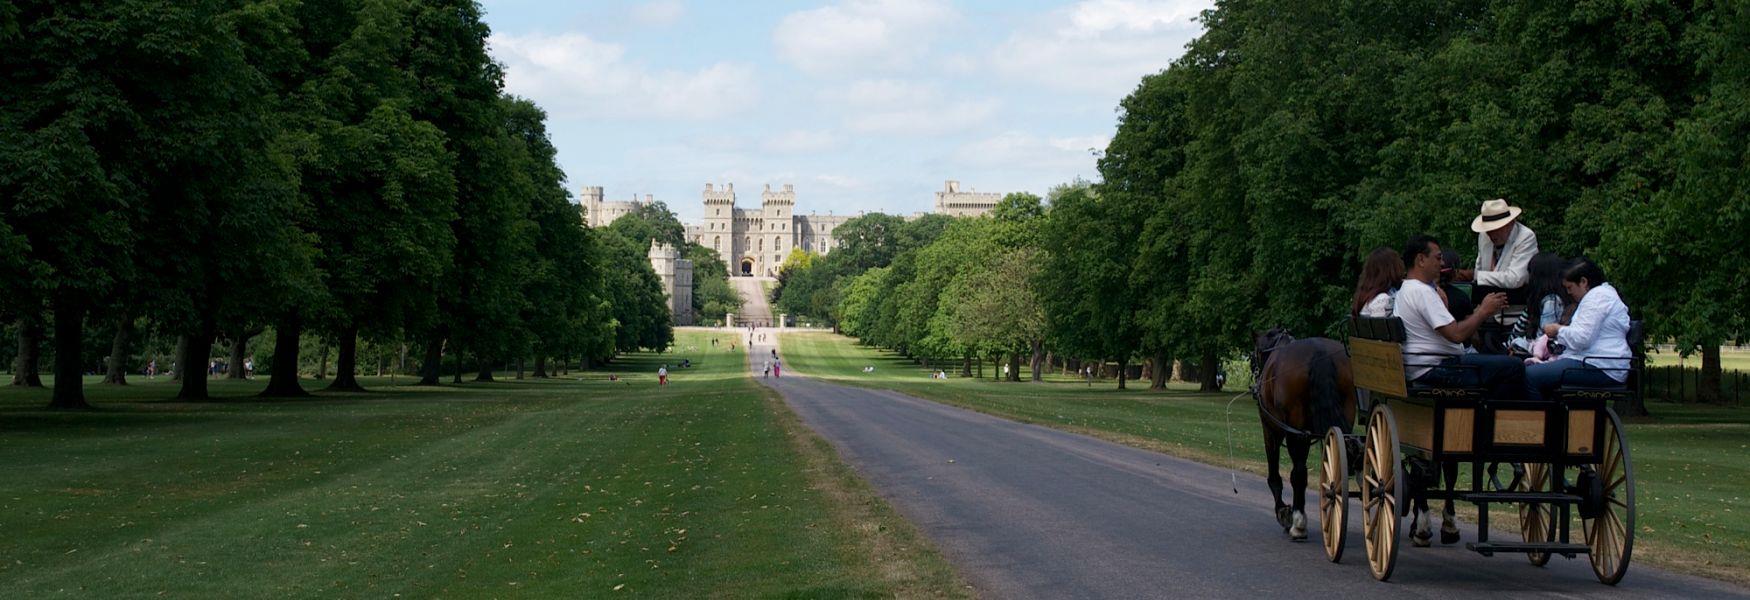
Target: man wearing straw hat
1504	250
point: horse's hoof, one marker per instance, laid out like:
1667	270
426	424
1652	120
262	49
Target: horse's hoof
1284	517
1297	531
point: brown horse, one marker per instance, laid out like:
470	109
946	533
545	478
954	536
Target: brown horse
1303	388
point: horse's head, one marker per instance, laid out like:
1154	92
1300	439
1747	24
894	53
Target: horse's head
1263	344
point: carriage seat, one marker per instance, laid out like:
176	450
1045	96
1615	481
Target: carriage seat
1630	389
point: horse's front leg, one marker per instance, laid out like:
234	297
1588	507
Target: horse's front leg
1297	451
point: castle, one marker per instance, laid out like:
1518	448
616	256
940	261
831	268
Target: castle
955	203
752	242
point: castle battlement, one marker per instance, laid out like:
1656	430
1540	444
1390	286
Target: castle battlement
785	196
723	196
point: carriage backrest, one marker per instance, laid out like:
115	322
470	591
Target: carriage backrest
1375	355
1384	329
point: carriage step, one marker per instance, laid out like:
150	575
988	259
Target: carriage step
1531	497
1490	548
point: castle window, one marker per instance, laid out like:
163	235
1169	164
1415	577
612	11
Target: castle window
762	244
717	243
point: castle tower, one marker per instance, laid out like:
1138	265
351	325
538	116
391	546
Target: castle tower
590	199
776	209
719	231
676	274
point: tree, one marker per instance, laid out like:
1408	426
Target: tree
648	222
144	123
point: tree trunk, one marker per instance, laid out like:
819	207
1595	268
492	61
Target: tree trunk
239	355
322	364
26	367
345	363
197	348
485	365
1207	367
1015	365
966	366
541	366
69	333
117	374
460	364
1123	370
1162	368
432	368
519	368
1707	387
401	360
282	382
181	360
1039	359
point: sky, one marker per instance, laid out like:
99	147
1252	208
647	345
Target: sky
863	105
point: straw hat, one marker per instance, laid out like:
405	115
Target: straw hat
1496	213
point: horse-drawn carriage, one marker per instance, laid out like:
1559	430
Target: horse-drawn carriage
1548	459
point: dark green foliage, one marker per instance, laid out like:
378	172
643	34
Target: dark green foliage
209	170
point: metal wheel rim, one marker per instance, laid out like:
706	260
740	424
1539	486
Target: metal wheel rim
1334	495
1610	537
1382	493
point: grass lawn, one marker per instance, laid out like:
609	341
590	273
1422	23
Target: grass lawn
561	488
1692	463
1730	360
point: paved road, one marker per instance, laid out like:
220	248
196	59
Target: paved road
1030	512
754	308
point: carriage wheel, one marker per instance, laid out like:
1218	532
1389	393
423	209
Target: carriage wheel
1382	492
1536	519
1334	495
1610	534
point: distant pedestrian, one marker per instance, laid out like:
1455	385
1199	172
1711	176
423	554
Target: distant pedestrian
768	372
249	367
152	368
662	376
777	369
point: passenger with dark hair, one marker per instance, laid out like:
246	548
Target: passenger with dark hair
1546	299
1596	339
1380	276
1457	301
1433	338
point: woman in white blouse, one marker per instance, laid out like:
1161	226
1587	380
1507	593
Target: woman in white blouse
1596	339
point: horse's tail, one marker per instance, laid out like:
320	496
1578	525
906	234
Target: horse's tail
1327	400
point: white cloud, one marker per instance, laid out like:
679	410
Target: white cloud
855	36
1101	46
1021	151
955	116
572	75
799	141
658	13
839	181
892	106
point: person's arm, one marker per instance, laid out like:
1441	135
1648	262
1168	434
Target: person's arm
1461	331
1513	269
1579	334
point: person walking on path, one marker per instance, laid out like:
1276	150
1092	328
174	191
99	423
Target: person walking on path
768	371
777	369
662	376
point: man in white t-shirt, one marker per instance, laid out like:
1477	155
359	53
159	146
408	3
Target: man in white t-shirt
1433	339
